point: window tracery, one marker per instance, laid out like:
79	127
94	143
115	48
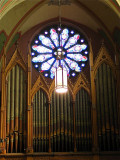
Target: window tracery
56	46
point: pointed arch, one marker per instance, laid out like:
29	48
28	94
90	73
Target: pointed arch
83	121
103	57
40	121
16	59
81	83
40	83
16	101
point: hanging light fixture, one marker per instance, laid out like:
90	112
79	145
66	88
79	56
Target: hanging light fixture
61	72
61	80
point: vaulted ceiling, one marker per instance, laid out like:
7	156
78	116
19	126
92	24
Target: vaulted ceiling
22	15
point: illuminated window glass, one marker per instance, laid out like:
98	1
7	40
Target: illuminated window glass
59	46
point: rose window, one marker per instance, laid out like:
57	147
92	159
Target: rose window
55	47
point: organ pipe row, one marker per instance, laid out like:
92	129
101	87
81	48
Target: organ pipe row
40	122
83	121
108	135
61	123
15	114
61	135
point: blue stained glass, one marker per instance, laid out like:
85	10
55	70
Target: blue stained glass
73	40
78	69
77	48
47	65
46	41
64	36
73	65
72	32
52	75
36	66
32	53
41	49
86	52
64	65
41	58
54	36
73	74
82	40
53	69
46	74
59	46
46	32
82	64
77	57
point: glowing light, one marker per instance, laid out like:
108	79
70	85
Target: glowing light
73	74
61	80
82	40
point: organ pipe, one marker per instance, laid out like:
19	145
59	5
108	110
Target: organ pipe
12	109
83	121
15	111
107	109
16	107
21	109
40	121
8	111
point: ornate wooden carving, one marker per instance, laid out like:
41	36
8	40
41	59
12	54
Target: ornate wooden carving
3	105
16	59
40	83
103	57
81	83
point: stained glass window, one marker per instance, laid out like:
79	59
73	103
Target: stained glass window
56	46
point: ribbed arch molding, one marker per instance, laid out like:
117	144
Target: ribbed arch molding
16	110
83	121
61	122
106	109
